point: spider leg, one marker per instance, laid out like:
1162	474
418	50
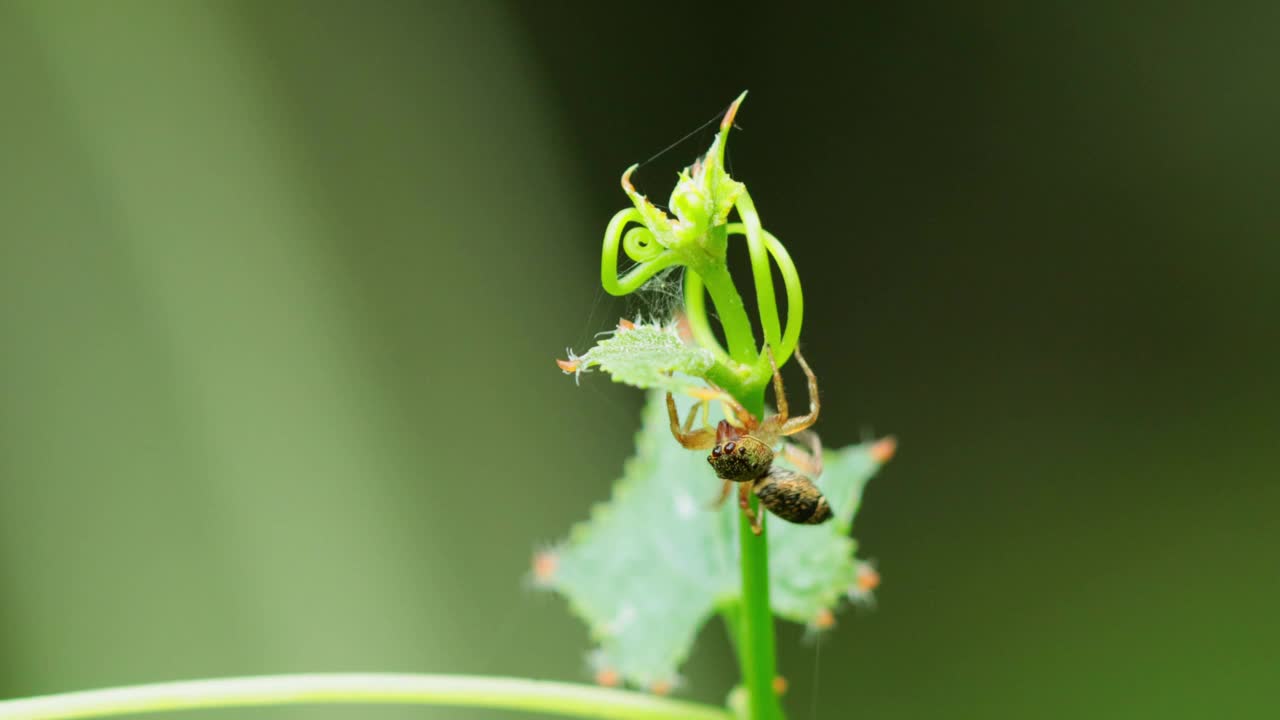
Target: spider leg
700	439
808	461
693	414
744	501
724	494
794	425
778	394
735	409
771	428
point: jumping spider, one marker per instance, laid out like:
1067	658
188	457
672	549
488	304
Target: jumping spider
743	454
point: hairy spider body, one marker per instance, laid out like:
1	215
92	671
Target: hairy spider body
746	459
744	455
740	458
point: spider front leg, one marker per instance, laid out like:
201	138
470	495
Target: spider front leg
725	489
782	424
700	439
737	415
744	502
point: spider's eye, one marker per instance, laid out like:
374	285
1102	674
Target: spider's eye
729	448
716	451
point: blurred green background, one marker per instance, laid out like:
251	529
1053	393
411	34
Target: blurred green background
281	284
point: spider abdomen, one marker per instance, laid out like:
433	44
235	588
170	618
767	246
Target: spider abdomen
792	497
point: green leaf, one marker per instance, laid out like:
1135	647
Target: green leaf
655	562
647	356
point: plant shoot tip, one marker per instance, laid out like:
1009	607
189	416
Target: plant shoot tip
727	122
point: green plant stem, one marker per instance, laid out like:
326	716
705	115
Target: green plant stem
565	699
755	643
732	312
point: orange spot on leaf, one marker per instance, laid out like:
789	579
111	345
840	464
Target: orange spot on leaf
884	449
662	687
779	685
868	578
625	324
569	366
824	620
608	677
544	566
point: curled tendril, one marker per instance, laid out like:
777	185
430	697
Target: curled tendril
640	245
651	257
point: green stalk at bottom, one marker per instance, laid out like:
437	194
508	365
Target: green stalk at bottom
756	644
564	699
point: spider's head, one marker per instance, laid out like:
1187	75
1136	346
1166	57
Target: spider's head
741	459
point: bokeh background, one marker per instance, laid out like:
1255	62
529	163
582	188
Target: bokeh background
281	284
